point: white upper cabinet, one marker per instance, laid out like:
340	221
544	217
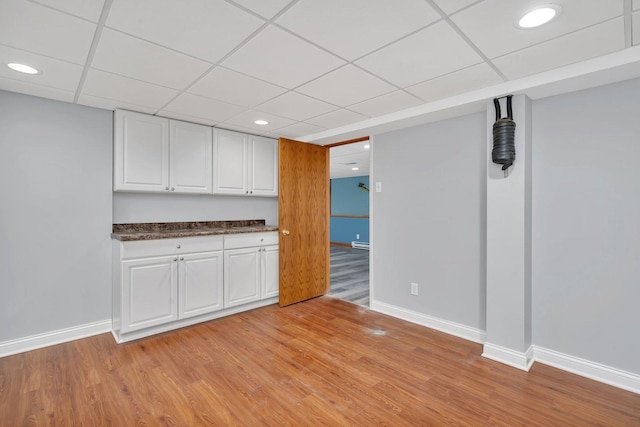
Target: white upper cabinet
141	152
263	173
154	154
230	162
190	157
244	164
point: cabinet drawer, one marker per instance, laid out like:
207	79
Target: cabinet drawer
248	240
160	247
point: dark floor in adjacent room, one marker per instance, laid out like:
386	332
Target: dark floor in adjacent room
350	275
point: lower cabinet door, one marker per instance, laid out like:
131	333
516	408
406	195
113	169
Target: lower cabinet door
270	279
149	292
241	276
200	278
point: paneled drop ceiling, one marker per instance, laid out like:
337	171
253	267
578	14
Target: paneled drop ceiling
306	66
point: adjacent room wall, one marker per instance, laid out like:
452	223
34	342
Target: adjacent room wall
140	207
430	218
55	215
586	224
347	198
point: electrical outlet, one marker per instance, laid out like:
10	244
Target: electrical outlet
414	289
357	237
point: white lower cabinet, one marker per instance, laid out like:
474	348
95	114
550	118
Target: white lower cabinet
150	292
159	285
200	284
251	268
241	276
270	283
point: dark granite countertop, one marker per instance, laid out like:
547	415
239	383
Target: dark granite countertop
171	230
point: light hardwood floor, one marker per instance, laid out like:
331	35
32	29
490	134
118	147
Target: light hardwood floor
320	362
350	275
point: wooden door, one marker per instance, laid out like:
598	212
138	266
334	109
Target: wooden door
303	220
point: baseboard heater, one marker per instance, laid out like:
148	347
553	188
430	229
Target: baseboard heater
360	245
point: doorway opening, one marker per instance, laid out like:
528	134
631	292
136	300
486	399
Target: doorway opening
349	220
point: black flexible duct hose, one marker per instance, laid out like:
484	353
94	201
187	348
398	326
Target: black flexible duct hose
504	130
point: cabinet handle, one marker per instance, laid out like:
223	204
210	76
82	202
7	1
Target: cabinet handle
246	192
175	259
181	258
166	188
173	189
251	192
178	246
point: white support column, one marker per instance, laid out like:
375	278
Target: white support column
509	245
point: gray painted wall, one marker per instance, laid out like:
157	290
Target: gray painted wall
509	235
429	220
138	207
586	224
55	215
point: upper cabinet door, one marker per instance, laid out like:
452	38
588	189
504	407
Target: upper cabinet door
263	173
190	154
141	152
230	163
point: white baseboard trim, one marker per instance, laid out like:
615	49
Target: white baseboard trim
585	368
33	342
516	359
446	326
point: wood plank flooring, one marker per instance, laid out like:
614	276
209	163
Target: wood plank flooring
350	275
320	362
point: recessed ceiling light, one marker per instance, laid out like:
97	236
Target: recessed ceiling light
366	146
261	122
354	169
538	16
22	68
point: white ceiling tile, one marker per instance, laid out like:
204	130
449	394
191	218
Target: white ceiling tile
131	57
206	108
472	78
54	73
636	28
345	86
111	104
247	118
385	104
452	6
336	119
266	8
273	135
186	118
356	27
491	23
36	90
207	29
581	45
236	128
295	106
235	88
282	59
39	29
111	86
297	130
87	9
430	53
